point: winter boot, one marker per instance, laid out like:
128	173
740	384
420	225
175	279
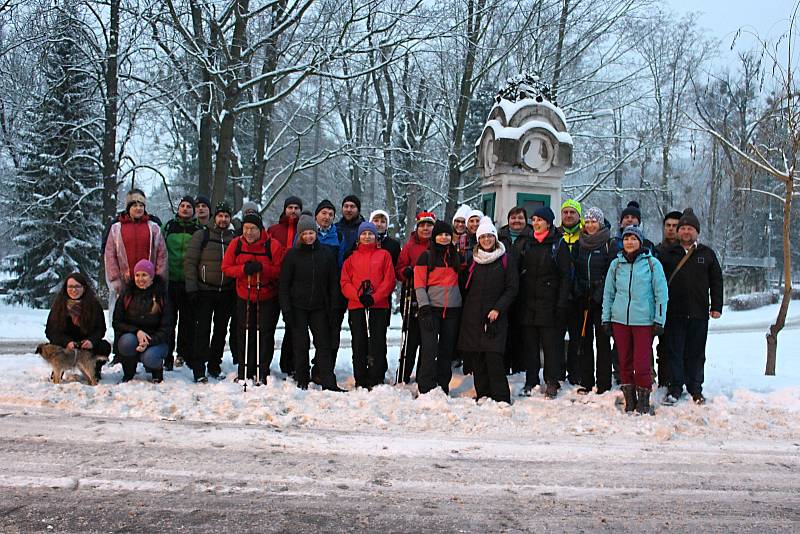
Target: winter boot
98	366
129	365
642	400
157	375
630	397
551	390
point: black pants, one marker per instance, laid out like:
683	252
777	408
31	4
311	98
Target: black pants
545	338
686	340
335	317
369	351
570	370
287	350
586	362
662	361
413	342
267	312
318	322
183	320
514	357
490	376
436	354
216	305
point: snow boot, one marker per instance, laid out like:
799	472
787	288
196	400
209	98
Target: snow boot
157	375
698	398
630	397
642	400
551	390
527	390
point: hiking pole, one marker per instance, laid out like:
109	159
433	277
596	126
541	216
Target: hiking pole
258	330
246	336
405	295
366	289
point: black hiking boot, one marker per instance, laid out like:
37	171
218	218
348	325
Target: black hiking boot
629	394
642	400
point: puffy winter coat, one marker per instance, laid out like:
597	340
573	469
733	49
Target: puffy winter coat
368	262
309	278
635	294
699	280
390	245
487	287
591	266
436	278
62	334
265	250
148	310
517	248
202	265
177	234
117	263
410	254
545	274
285	231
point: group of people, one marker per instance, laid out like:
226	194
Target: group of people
499	301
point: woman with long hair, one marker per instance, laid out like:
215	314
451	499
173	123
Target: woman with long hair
76	319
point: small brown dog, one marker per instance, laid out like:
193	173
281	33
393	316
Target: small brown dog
61	359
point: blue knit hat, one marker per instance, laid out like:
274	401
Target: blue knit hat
635	231
366	225
545	213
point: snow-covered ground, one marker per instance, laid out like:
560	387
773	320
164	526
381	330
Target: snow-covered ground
742	402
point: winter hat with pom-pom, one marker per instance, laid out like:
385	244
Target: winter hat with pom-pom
632	209
688	218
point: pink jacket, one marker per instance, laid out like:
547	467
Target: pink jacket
116	259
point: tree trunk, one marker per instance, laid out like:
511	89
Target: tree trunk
562	30
780	321
205	142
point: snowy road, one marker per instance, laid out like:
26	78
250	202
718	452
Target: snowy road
68	473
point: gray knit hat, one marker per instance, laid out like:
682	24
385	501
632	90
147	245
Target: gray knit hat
306	222
595	214
634	231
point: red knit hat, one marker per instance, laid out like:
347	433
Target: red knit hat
425	216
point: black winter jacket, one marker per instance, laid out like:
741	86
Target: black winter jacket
546	276
699	280
390	245
309	279
134	311
590	271
516	249
72	332
202	265
491	286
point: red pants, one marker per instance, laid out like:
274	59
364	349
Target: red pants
634	346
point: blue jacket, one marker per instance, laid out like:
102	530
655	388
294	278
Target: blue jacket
332	238
635	294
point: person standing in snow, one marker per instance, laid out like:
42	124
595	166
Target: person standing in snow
254	260
132	238
516	236
285	232
367	280
695	291
349	224
417	243
142	323
307	286
570	232
380	219
76	320
177	234
202	211
634	310
591	258
490	284
439	299
460	235
210	292
546	280
668	239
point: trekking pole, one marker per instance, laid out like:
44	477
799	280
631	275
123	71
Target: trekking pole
366	289
246	336
579	352
258	330
405	295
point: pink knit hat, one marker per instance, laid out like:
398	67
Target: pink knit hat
145	266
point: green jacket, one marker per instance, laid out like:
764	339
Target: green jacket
177	234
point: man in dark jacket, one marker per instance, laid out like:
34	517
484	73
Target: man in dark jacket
210	292
516	236
669	238
694	277
348	224
177	234
285	232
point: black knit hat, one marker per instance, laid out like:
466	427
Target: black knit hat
632	209
222	207
688	218
293	200
441	227
187	198
544	212
354	199
673	215
323	205
252	218
202	199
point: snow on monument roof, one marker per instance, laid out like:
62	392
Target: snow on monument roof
516	132
510	108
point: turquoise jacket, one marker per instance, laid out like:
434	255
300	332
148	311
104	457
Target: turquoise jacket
635	294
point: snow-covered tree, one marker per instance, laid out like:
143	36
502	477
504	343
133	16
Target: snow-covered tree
56	195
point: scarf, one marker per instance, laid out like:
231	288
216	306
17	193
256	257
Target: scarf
594	241
539	236
74	310
513	235
482	257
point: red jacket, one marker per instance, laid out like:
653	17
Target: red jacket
284	231
410	254
368	262
233	265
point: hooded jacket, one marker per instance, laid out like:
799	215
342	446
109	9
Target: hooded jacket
635	294
146	309
285	231
436	278
697	285
409	255
118	266
545	275
309	278
265	250
203	263
368	262
177	234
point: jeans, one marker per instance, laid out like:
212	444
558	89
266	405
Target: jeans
151	358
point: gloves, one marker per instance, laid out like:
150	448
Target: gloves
366	300
658	330
252	267
608	330
425	318
408	273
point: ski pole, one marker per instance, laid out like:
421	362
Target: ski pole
405	310
258	330
246	336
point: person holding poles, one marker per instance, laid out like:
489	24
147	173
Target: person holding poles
439	298
367	281
254	260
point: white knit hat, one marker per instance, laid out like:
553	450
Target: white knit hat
486	226
378	212
462	213
475	213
